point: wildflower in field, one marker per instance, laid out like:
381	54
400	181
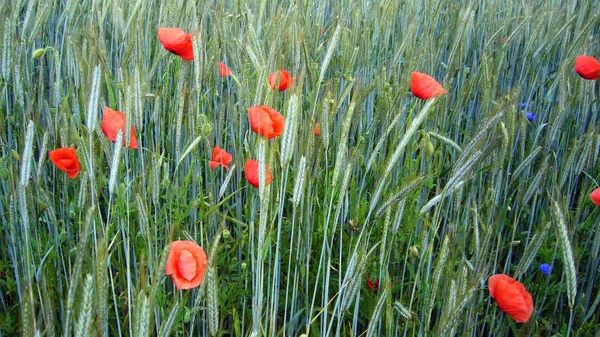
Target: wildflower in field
177	42
251	171
224	71
372	285
545	268
265	121
317	129
425	86
531	116
219	157
595	196
524	105
112	122
285	80
186	264
511	296
66	160
587	67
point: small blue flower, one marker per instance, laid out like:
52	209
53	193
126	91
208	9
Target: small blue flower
524	105
531	116
545	268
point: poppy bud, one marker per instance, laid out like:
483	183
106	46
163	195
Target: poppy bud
165	183
120	85
429	148
187	317
206	130
4	173
15	154
42	205
516	243
197	203
508	208
38	53
244	265
63	236
414	251
226	234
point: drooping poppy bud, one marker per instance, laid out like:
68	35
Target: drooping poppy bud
587	67
511	296
265	121
186	264
425	86
177	42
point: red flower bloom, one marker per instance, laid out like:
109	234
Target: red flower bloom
66	160
317	129
511	296
112	122
595	196
373	285
220	157
587	67
425	86
321	31
251	171
177	42
285	80
224	71
186	264
265	121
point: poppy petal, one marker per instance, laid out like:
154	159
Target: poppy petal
317	130
595	196
213	164
251	171
265	121
112	122
511	296
186	265
425	87
180	266
285	80
587	67
177	41
224	71
65	159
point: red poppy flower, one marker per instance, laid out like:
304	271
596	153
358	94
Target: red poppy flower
373	285
321	31
595	196
511	296
251	171
265	121
177	42
285	80
587	67
186	264
66	160
425	86
112	122
317	129
220	157
224	71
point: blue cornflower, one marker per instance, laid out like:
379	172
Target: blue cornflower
531	116
545	268
524	105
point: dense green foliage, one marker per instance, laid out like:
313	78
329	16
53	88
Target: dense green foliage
428	197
